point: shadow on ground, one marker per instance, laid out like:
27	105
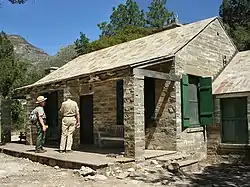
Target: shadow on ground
219	175
222	175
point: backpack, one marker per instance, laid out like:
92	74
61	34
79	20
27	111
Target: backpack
33	116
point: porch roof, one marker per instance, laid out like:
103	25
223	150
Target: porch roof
162	44
235	77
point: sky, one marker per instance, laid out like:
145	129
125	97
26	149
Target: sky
52	24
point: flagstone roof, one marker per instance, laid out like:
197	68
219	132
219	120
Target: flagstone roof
235	77
161	44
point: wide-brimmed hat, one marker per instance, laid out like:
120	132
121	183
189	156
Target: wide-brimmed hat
40	99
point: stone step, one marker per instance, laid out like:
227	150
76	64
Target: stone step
151	154
185	163
172	157
189	165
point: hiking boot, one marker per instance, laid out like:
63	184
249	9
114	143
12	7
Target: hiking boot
43	150
40	151
69	151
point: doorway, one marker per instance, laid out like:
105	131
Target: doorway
51	111
86	120
234	120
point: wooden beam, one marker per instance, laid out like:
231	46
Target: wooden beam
155	74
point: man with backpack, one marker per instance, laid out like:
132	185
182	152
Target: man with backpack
38	117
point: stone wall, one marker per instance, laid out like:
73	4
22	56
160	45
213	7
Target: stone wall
202	56
104	111
214	130
30	129
161	134
104	105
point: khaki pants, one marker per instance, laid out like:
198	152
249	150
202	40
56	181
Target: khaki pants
68	127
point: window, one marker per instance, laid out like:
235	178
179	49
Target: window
119	102
149	100
197	101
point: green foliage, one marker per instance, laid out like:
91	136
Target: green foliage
81	44
11	69
127	22
128	14
236	16
128	33
17	1
17	114
158	14
12	74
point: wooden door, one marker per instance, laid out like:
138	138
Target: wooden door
86	119
234	120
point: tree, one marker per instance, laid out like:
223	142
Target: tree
17	1
11	70
81	44
124	15
158	14
128	33
236	17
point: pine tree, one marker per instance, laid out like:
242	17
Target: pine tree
236	17
158	14
81	45
128	14
11	71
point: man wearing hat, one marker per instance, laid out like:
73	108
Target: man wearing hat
41	124
70	121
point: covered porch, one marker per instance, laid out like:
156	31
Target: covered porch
134	105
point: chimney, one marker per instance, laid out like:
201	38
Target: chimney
172	22
50	70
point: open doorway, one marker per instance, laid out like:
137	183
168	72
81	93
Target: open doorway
51	111
86	120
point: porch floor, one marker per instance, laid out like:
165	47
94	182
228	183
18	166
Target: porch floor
91	158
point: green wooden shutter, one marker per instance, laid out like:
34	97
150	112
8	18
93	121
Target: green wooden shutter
184	94
206	101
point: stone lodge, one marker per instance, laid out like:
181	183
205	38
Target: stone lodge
157	89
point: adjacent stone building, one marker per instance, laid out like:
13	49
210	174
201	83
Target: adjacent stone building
231	89
158	89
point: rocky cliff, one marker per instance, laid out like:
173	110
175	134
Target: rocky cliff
26	51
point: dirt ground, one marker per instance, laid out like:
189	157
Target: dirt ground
17	172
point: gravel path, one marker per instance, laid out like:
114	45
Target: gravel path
17	172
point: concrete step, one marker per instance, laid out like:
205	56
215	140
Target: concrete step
172	157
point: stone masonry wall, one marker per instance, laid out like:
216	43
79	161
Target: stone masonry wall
161	134
104	104
30	129
203	56
213	131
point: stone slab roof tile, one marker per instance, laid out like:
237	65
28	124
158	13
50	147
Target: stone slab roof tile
235	77
165	43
